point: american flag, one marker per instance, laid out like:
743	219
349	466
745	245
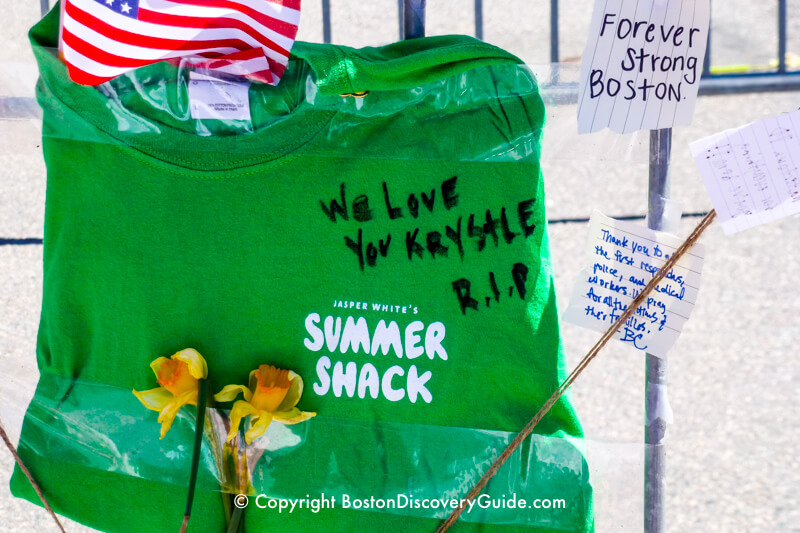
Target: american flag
101	39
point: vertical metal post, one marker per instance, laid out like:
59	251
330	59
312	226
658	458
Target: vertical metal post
660	153
413	19
782	36
45	6
656	368
479	19
707	60
326	21
400	10
554	52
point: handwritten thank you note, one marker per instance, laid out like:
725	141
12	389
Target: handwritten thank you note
752	173
623	257
642	64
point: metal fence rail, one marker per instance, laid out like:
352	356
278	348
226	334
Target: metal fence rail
411	24
780	79
710	84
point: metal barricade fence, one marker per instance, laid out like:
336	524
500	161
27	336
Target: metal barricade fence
411	24
779	79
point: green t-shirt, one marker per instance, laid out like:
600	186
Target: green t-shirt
391	250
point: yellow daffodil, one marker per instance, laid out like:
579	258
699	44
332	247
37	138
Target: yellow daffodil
272	395
178	377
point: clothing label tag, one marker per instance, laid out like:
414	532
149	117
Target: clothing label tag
212	97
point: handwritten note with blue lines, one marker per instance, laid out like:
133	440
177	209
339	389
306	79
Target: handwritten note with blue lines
623	257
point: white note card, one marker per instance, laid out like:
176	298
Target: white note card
751	173
622	258
212	97
642	64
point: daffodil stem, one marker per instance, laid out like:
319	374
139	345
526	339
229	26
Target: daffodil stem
236	521
202	400
227	505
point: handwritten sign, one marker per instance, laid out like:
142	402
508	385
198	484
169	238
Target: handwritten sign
623	257
752	173
389	225
642	64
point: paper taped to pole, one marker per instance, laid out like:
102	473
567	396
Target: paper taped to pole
622	257
642	64
752	173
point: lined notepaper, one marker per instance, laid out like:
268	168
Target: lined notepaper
642	64
622	258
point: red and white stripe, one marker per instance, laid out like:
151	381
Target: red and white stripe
252	37
251	64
